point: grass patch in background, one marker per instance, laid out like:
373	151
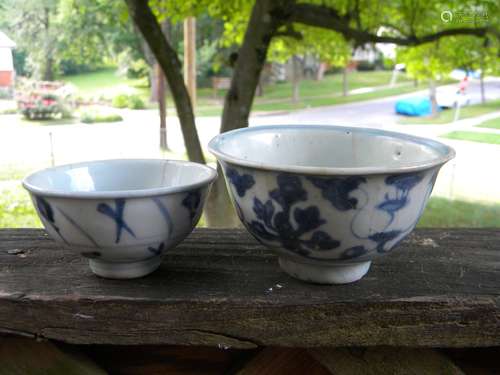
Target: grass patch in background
16	209
8	111
92	118
104	83
474	137
446	116
494	123
445	213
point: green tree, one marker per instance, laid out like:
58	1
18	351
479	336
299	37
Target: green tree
298	42
404	22
34	23
474	54
430	62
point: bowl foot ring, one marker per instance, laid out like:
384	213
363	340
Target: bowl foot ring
124	270
319	274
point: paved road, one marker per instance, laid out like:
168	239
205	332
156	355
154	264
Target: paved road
35	146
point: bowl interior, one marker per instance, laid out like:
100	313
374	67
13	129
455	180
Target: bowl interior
119	176
327	146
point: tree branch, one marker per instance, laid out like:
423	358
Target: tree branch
289	32
328	18
167	58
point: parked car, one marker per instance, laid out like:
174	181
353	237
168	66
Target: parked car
449	97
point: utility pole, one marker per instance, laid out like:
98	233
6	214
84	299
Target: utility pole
190	57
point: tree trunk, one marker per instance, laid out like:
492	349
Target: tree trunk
251	58
167	58
48	67
345	87
162	106
238	102
432	96
296	77
481	81
320	73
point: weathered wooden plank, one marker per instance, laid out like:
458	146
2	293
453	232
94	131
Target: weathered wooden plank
220	287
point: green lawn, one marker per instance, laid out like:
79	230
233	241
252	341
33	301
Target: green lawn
444	213
106	83
474	137
446	116
494	123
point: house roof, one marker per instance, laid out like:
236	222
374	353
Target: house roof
5	41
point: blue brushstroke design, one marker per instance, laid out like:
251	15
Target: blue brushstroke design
80	229
337	190
403	184
192	202
166	215
45	210
353	252
279	227
241	182
117	215
157	250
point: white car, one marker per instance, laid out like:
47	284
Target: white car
449	97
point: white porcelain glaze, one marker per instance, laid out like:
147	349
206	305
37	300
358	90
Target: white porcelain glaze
328	199
121	214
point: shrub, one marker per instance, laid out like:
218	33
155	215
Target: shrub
120	101
135	102
8	111
43	100
132	101
91	118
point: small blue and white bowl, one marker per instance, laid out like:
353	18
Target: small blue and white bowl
121	214
328	199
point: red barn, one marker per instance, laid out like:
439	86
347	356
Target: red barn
6	63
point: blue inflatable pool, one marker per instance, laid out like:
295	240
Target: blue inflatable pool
416	106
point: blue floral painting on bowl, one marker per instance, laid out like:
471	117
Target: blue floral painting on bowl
308	215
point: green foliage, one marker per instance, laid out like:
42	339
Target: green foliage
91	117
8	111
135	102
67	36
137	69
132	101
120	101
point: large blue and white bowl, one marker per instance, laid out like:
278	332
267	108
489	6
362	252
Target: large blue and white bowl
121	214
328	199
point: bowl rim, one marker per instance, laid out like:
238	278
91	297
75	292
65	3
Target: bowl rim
136	193
214	148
